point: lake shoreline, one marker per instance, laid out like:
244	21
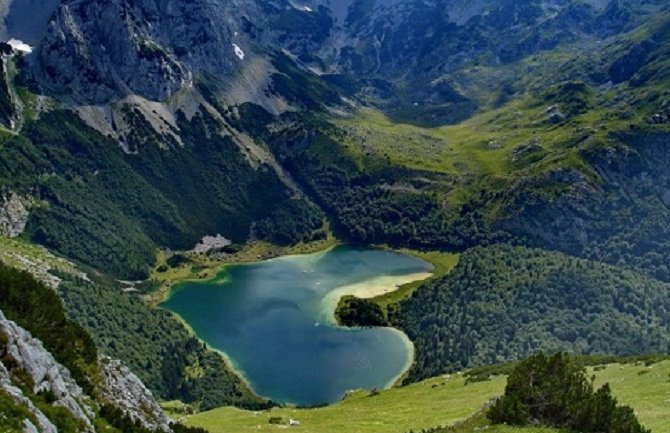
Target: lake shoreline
251	254
368	288
228	361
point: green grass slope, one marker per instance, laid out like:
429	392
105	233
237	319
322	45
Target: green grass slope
446	401
432	403
535	151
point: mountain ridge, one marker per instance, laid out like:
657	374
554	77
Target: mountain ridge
473	127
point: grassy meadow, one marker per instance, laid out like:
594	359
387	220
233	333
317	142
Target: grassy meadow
442	402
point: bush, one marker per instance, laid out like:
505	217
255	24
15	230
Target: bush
555	391
354	311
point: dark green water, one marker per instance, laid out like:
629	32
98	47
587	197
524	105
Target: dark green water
274	321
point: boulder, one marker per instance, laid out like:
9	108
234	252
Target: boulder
14	212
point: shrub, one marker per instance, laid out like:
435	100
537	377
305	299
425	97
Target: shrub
353	311
556	392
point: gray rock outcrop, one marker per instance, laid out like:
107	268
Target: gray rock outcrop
14	211
43	424
120	387
47	375
126	391
100	51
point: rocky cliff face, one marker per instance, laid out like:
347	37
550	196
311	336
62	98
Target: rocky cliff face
101	50
125	391
8	112
24	362
42	423
21	352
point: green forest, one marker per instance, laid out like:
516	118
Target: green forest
110	210
155	345
503	303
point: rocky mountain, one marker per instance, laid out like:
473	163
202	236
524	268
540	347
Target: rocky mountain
100	51
129	126
27	355
104	50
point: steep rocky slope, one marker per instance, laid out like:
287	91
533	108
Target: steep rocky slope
100	51
22	353
34	380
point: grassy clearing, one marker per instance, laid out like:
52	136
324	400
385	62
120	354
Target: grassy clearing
645	388
432	403
479	423
488	151
444	402
476	146
21	254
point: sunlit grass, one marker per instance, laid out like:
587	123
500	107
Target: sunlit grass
444	401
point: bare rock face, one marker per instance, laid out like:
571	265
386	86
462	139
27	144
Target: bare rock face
102	50
43	423
46	374
14	211
126	391
97	51
120	387
8	112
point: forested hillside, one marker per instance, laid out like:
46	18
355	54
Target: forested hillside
110	209
530	137
502	302
155	345
52	377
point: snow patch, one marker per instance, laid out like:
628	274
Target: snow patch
303	8
19	45
238	51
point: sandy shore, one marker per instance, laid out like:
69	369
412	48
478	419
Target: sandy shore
411	353
380	285
369	289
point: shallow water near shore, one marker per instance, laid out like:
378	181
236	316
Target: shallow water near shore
274	321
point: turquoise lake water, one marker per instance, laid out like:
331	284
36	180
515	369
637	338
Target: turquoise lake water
274	322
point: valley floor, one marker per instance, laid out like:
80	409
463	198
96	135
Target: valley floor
442	402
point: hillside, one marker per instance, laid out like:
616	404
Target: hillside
521	145
52	378
445	401
540	144
503	302
154	344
